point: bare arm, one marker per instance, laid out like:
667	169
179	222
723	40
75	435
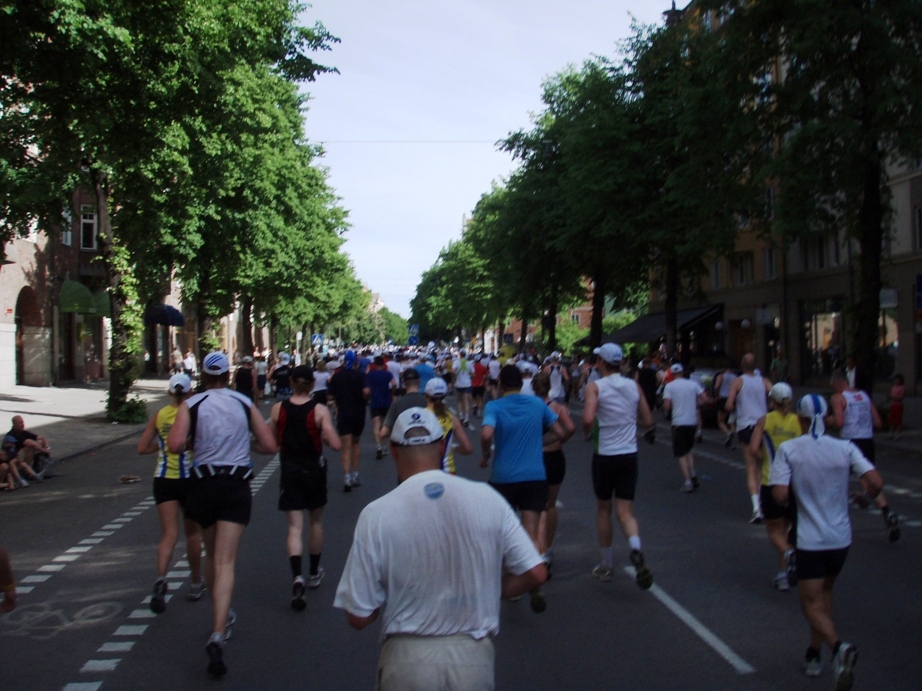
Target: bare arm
591	396
873	483
514	585
464	443
875	417
566	422
358	623
264	441
756	442
179	432
486	441
735	387
327	432
148	441
780	493
274	421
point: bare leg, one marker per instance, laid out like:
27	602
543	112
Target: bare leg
603	523
550	516
315	532
194	549
345	454
168	512
355	453
221	541
624	509
295	542
777	530
816	602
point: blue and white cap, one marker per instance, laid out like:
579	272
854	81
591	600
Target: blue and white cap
415	427
813	406
610	352
436	388
215	363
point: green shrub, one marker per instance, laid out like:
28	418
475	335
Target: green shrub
132	412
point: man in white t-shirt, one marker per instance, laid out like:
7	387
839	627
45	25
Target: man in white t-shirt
683	396
436	554
819	467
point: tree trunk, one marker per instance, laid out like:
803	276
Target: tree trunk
870	219
246	325
126	312
551	335
598	309
524	334
671	305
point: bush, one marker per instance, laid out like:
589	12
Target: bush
133	411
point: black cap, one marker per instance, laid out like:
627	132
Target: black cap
410	375
302	372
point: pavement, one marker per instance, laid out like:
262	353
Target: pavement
73	418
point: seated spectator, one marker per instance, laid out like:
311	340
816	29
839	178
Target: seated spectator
24	450
6	475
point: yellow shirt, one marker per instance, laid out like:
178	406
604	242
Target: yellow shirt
779	428
171	466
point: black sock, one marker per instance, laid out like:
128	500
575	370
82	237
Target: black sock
812	654
835	648
295	562
315	563
885	509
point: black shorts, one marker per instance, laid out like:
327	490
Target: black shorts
825	563
555	465
478	391
379	412
303	490
745	435
772	509
219	498
166	489
350	425
462	389
524	496
319	396
866	447
614	475
683	439
492	382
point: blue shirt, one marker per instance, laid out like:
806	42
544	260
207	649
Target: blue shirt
379	381
519	423
426	372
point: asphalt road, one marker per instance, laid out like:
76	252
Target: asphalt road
85	546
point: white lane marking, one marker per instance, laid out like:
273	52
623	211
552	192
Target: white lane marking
127	630
142	614
178	574
86	686
112	526
91	541
35	579
103	533
705	634
67	558
51	567
116	647
22	589
79	549
100	665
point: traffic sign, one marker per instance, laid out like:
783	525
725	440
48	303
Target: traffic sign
317	339
413	340
413	330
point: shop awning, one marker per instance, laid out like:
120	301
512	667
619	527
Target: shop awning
164	314
76	297
652	327
103	303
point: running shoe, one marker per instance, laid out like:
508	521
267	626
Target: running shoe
228	627
313	580
39	476
195	592
757	517
791	561
644	576
695	483
780	582
347	483
843	665
22	482
893	526
813	666
379	453
297	595
688	486
158	599
603	573
355	479
215	651
538	603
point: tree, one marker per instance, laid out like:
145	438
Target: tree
844	110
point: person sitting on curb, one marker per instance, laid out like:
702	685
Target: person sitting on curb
31	448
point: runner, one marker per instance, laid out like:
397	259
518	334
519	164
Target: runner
381	384
493	367
614	406
555	466
462	370
172	480
349	388
217	424
452	429
280	376
778	426
725	421
479	383
818	467
682	397
413	398
748	394
856	417
245	379
302	425
560	378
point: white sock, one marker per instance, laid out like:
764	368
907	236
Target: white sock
756	506
634	542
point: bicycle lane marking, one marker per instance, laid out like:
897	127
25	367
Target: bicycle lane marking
125	636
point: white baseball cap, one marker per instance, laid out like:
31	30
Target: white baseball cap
181	382
677	368
436	388
413	420
610	352
781	392
215	363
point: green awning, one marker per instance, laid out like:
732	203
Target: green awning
76	297
103	303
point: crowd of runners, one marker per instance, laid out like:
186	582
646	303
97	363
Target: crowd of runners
797	476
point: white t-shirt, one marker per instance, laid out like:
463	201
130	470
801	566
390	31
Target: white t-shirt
557	386
434	550
858	422
394	368
463	369
818	470
320	381
684	396
494	368
617	415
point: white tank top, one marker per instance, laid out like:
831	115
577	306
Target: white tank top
751	401
858	423
557	390
725	384
617	415
220	427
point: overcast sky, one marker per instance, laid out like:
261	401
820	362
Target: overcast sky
425	91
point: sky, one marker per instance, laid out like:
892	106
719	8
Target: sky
425	90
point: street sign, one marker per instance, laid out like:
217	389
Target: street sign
316	339
413	340
413	330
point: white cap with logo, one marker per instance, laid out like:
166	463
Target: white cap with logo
422	423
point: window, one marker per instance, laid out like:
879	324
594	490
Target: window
769	260
67	228
87	228
742	269
917	227
715	275
574	318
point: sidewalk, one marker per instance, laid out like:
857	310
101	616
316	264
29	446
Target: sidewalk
73	419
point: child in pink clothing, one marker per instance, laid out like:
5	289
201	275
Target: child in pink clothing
896	396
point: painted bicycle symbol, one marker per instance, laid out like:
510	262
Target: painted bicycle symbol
41	621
